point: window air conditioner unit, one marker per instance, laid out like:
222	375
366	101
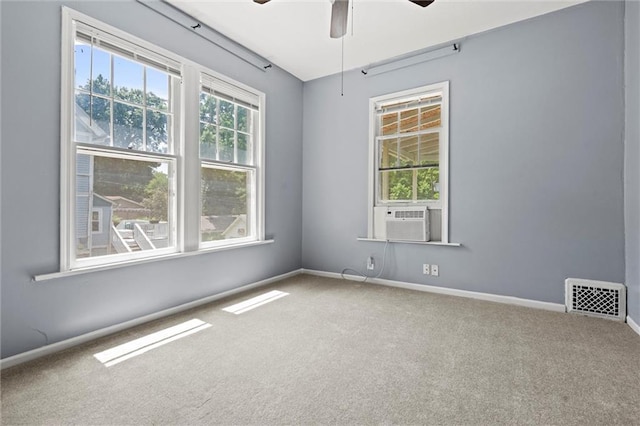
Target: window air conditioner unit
407	223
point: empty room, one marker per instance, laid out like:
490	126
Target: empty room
320	212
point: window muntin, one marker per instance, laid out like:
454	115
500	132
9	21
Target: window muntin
128	154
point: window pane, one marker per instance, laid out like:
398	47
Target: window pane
127	126
244	152
129	204
128	80
226	116
430	117
409	121
389	124
429	150
207	108
225	204
410	185
243	119
408	151
225	144
92	119
101	72
158	125
208	148
389	153
82	53
428	188
101	120
396	185
157	89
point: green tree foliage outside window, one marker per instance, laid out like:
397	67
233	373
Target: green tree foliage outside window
224	192
125	178
157	196
400	184
128	120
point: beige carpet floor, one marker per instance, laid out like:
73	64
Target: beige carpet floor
340	352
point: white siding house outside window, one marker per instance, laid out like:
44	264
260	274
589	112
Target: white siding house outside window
130	131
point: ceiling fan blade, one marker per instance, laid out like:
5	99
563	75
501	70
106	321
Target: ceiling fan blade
422	3
339	14
261	1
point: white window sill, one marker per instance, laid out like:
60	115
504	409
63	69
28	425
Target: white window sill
427	243
80	271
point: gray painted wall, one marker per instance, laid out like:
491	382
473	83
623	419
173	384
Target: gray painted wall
632	157
536	147
63	308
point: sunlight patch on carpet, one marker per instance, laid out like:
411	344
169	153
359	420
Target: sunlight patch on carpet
254	302
141	345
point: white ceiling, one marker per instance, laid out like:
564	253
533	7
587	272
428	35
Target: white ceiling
294	34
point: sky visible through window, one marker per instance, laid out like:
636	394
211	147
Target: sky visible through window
126	73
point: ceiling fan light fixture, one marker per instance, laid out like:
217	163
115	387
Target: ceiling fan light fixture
261	1
339	14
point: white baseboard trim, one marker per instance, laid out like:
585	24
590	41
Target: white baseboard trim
634	325
547	306
74	341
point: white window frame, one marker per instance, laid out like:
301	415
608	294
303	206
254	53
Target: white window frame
99	220
373	184
185	182
242	94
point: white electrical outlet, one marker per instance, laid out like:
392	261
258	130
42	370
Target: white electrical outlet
425	268
370	264
434	270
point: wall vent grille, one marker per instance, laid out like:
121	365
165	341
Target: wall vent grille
596	298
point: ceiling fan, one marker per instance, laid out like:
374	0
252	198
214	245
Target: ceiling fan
340	12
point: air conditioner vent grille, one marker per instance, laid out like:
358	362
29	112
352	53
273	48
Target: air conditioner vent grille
596	298
408	224
409	214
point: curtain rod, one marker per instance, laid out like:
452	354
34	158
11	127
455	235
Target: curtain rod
187	21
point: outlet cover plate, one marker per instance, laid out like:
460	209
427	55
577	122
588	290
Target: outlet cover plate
434	270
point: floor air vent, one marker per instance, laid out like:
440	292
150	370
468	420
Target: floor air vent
596	298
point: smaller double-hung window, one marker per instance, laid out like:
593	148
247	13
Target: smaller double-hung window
409	146
229	117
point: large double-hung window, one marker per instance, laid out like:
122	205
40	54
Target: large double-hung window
131	136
